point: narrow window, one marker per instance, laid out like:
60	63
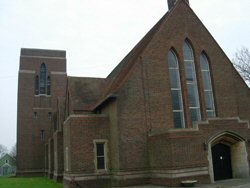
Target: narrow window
50	115
35	115
37	85
207	85
42	135
48	86
193	97
173	67
6	161
43	79
100	154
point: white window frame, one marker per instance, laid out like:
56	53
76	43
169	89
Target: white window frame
203	71
194	82
177	69
105	143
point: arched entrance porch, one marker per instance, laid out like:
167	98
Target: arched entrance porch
227	156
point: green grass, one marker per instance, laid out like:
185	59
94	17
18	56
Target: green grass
34	182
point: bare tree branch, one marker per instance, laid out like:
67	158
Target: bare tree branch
241	62
13	151
3	150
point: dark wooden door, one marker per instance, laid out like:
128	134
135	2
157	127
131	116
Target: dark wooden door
221	154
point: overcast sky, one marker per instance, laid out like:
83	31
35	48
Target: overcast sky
96	34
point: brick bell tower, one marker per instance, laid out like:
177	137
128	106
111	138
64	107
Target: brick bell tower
171	3
42	79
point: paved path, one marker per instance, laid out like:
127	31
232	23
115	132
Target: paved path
233	183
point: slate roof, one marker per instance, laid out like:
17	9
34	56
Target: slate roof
84	92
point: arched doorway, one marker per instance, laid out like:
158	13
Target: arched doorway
227	156
222	167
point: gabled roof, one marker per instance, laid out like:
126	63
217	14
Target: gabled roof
7	157
121	71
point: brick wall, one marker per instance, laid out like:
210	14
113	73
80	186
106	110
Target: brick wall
187	150
31	156
144	103
58	155
82	131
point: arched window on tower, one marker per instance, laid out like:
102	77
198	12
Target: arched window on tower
193	97
173	67
207	86
43	79
37	85
48	86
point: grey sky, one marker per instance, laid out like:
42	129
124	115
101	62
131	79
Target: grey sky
96	34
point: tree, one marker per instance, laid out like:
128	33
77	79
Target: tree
3	150
13	151
241	62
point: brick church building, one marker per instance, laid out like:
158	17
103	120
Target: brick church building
173	109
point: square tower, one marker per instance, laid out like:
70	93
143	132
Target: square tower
42	79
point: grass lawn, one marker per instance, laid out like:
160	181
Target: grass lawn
29	182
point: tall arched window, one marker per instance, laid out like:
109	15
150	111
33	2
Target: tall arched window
173	67
37	85
43	79
48	86
193	97
208	89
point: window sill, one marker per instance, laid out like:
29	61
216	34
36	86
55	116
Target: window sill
42	95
